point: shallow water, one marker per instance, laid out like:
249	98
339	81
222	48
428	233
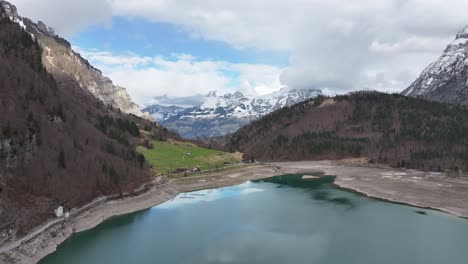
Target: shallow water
278	220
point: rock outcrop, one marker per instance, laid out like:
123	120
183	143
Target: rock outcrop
62	61
446	79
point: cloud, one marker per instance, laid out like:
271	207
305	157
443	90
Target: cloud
337	45
181	75
409	45
66	17
186	101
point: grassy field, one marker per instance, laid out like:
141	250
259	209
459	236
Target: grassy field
168	156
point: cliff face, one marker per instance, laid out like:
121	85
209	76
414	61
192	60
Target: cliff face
59	144
61	61
446	79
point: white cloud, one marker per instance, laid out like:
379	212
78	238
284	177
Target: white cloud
338	45
181	75
66	17
409	45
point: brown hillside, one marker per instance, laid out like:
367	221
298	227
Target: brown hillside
391	129
58	143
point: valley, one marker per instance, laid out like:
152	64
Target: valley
139	159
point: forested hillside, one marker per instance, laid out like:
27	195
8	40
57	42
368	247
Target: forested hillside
58	143
393	129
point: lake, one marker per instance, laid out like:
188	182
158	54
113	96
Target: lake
280	220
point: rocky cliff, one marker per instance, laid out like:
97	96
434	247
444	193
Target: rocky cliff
63	62
446	79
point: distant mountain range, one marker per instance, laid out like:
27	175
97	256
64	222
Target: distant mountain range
216	115
446	79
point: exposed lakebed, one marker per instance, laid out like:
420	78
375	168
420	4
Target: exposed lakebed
283	219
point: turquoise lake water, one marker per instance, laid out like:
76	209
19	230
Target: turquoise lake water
282	220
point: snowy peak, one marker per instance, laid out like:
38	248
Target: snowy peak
446	79
161	112
234	96
238	105
463	34
10	11
211	94
217	114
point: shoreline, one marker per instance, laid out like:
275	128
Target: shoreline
425	190
37	246
363	193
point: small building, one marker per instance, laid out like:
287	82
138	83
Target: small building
195	169
66	215
59	211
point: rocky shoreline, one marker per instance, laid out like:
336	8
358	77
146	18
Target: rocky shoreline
421	189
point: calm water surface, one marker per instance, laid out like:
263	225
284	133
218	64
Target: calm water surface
279	220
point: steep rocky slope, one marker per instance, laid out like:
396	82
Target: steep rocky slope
59	144
61	61
393	129
218	115
446	79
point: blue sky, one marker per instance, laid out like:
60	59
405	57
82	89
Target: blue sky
180	55
137	35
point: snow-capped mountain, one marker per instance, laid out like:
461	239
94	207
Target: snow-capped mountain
161	112
60	59
446	79
222	114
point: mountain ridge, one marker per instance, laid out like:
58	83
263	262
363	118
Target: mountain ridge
60	59
217	115
386	128
446	79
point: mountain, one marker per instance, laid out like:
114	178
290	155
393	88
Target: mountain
217	115
161	112
446	79
65	64
392	129
59	144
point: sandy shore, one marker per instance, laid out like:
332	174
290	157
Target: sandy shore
422	189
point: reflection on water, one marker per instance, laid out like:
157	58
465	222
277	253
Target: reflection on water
209	195
320	189
282	219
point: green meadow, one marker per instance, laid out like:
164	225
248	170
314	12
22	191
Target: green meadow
166	157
